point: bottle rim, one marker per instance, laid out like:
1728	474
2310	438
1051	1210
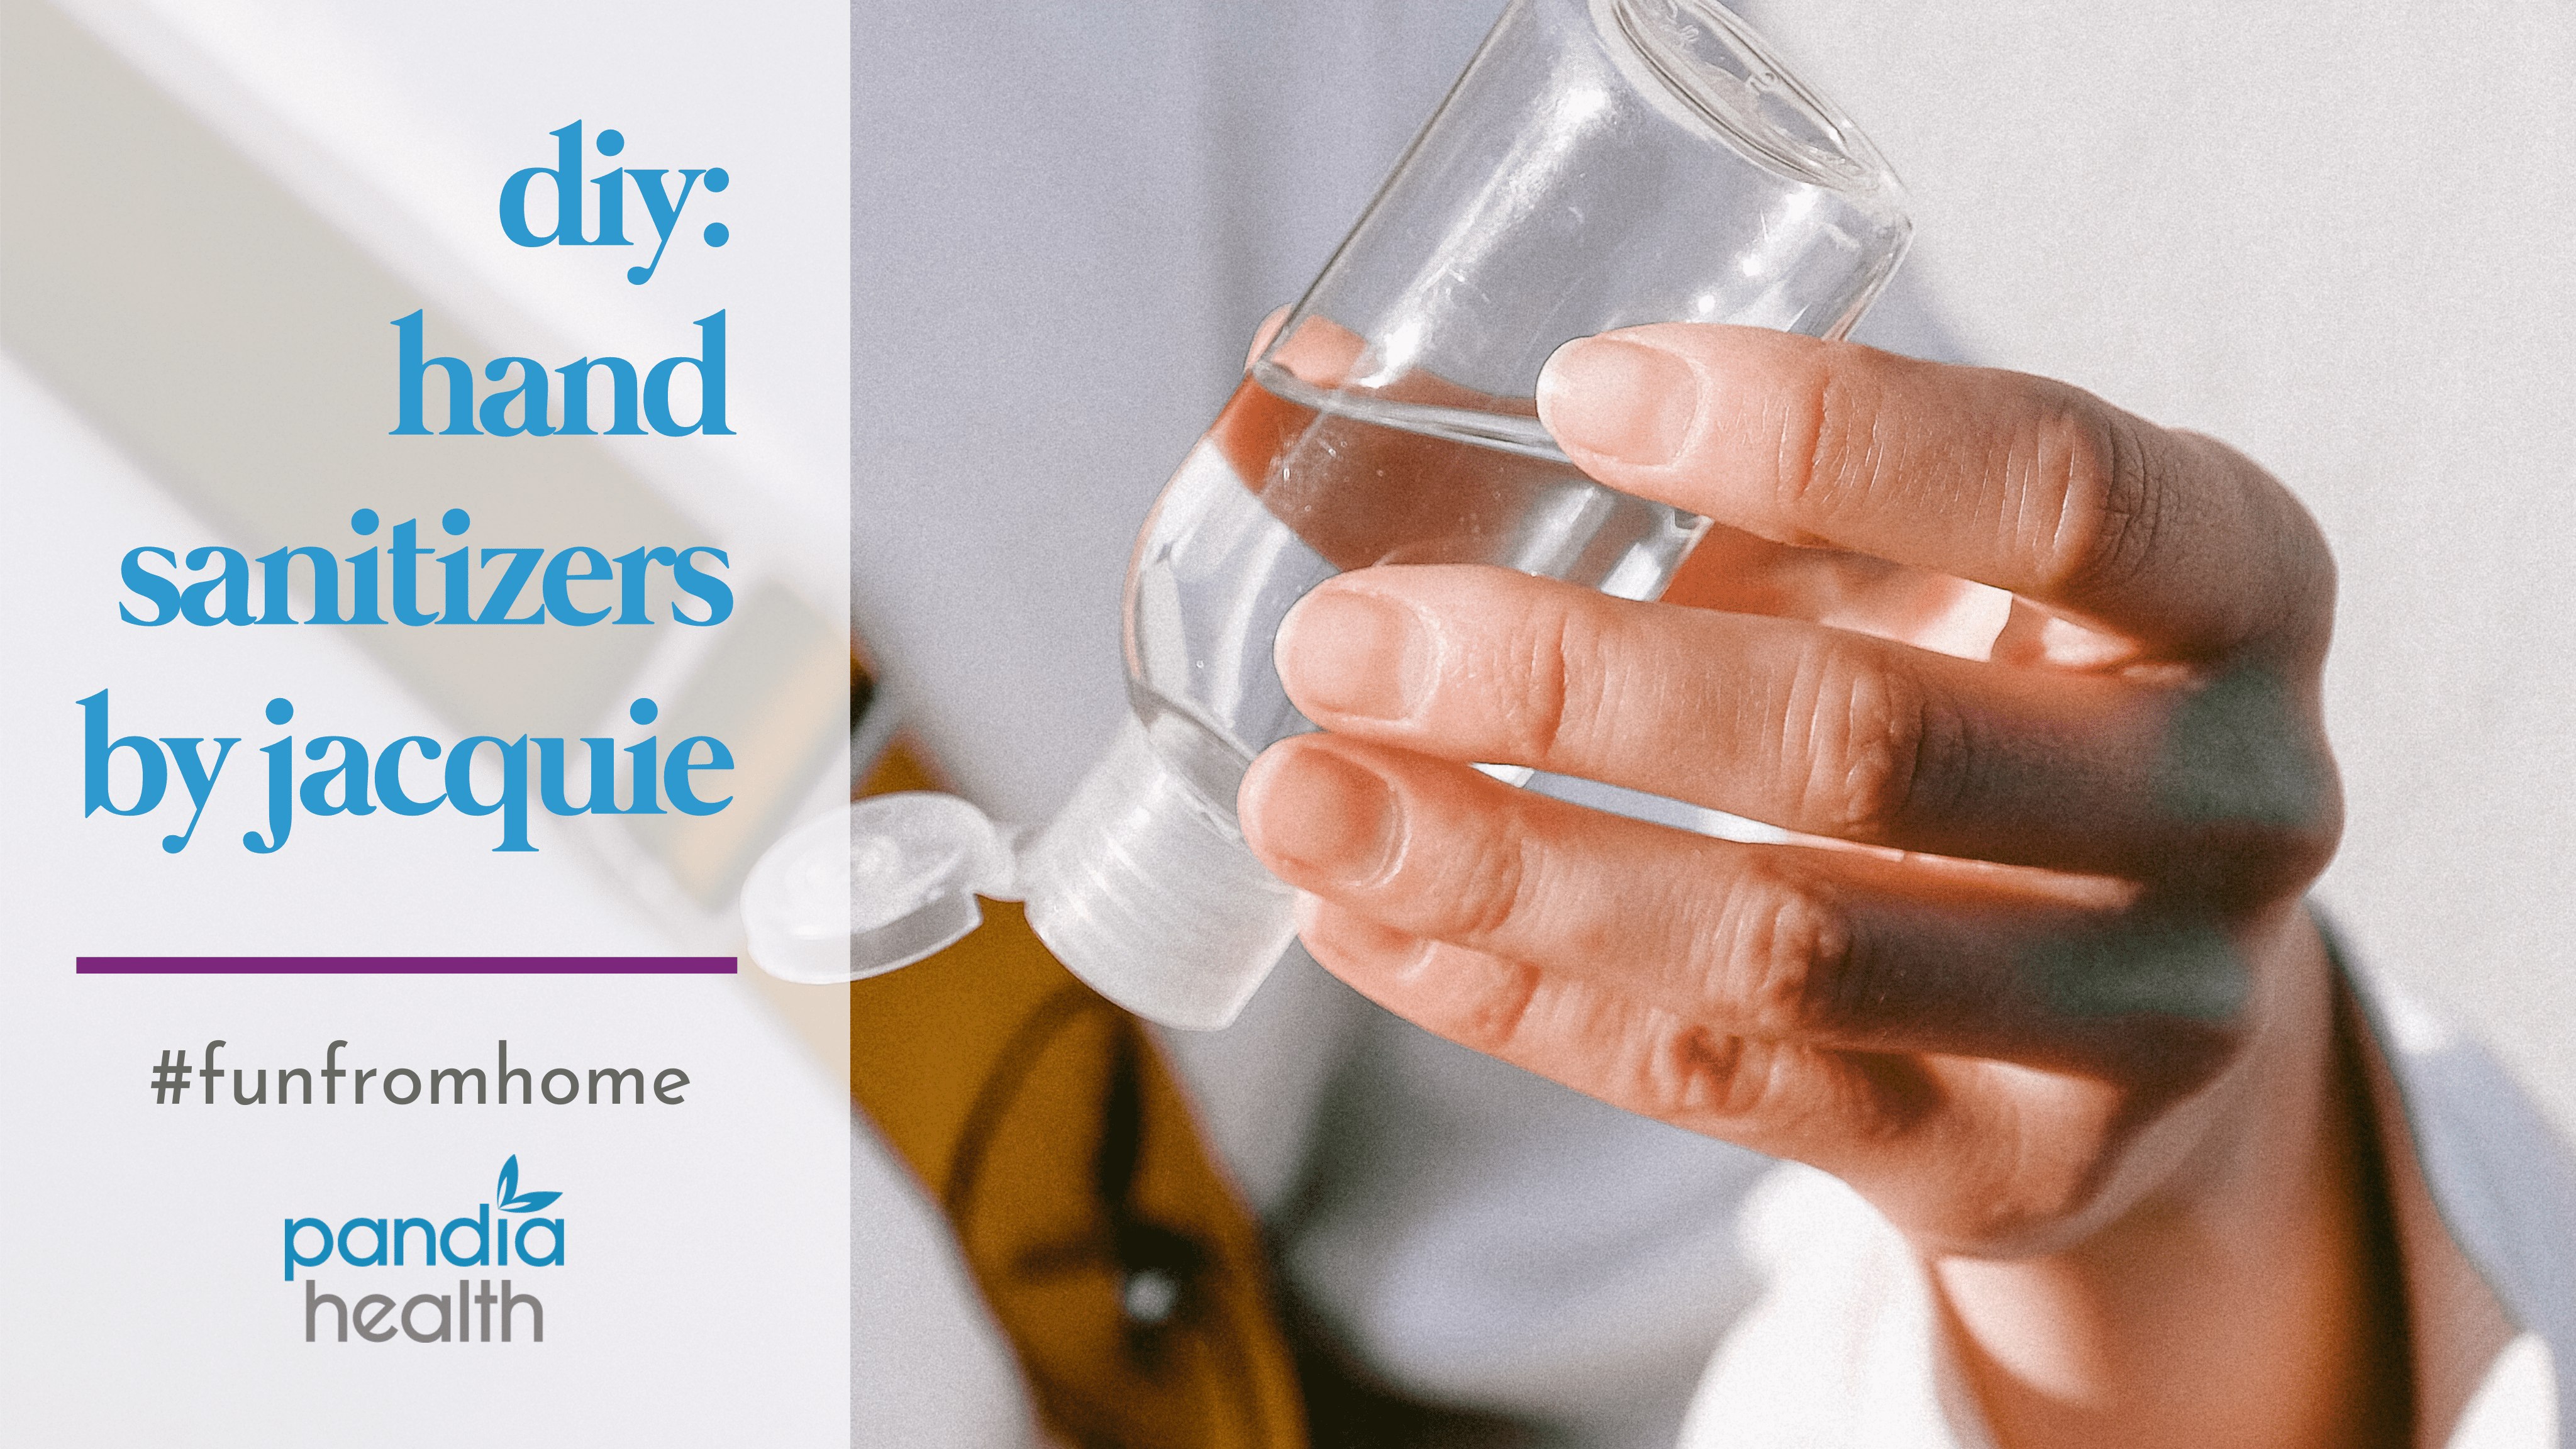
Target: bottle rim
1729	80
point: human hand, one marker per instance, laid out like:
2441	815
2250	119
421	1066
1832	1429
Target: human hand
2033	976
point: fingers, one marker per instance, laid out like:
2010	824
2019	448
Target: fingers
2167	539
1827	949
1592	1036
1969	1155
1732	570
1262	334
1820	730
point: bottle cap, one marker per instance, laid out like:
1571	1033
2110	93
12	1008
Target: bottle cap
904	888
1140	887
1147	892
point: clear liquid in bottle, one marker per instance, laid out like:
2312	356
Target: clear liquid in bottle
1293	484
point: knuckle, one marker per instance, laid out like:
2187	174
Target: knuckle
2087	475
1784	948
1559	644
1702	1074
1827	444
2238	866
2244	769
1491	1019
1873	735
1481	884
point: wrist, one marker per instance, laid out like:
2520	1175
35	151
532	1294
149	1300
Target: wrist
2249	1296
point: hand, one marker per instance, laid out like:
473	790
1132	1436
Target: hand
2033	976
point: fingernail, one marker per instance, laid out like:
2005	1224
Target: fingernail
1348	652
1623	400
1323	816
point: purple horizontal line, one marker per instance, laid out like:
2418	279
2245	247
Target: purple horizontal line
404	965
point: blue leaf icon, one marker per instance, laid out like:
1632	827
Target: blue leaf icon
507	1193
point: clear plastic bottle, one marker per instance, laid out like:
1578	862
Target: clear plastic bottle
1293	484
1600	163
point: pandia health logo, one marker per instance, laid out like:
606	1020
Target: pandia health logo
487	1239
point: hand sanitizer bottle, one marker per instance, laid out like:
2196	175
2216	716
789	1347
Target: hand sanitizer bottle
1601	163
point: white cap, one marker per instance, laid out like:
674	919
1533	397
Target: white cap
874	885
1149	893
1138	886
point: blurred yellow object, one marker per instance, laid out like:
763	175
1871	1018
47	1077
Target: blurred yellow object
1113	1252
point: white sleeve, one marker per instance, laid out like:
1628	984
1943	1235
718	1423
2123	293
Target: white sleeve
1842	1347
2501	1186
